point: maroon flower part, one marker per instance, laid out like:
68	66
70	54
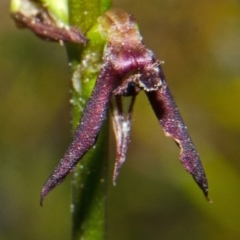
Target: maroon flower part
45	27
170	119
128	67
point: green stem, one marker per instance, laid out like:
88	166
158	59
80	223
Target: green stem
89	183
83	13
90	176
89	188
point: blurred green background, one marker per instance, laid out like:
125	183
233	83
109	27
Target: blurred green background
154	198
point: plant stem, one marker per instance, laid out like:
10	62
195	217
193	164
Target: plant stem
89	183
83	13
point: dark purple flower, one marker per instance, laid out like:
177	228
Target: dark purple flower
128	67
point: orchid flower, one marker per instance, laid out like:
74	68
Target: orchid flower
128	67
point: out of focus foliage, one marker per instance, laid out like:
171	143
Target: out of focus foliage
154	198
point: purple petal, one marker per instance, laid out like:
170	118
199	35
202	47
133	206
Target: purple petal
87	131
169	117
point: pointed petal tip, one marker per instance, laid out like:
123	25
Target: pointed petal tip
41	201
44	193
115	174
206	196
117	167
209	200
